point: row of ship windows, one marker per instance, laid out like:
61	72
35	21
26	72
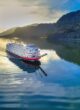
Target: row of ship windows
18	49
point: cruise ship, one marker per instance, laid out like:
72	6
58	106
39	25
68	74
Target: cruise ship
29	52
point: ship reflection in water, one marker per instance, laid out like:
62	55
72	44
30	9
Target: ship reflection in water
28	66
24	87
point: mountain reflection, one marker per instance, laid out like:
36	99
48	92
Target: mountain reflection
58	70
20	84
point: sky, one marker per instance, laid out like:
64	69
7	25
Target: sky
15	13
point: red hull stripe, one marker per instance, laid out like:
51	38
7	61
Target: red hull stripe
24	58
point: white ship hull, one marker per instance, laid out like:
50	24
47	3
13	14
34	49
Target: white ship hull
25	52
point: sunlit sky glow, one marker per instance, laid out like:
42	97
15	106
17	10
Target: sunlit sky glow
24	12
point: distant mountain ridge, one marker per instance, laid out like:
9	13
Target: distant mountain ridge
70	18
67	27
31	31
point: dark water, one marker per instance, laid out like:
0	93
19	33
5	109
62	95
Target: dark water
25	88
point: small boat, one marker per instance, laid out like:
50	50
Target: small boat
29	52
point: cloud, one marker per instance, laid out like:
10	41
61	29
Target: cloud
23	12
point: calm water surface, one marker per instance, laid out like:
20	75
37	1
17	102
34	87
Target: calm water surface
23	87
